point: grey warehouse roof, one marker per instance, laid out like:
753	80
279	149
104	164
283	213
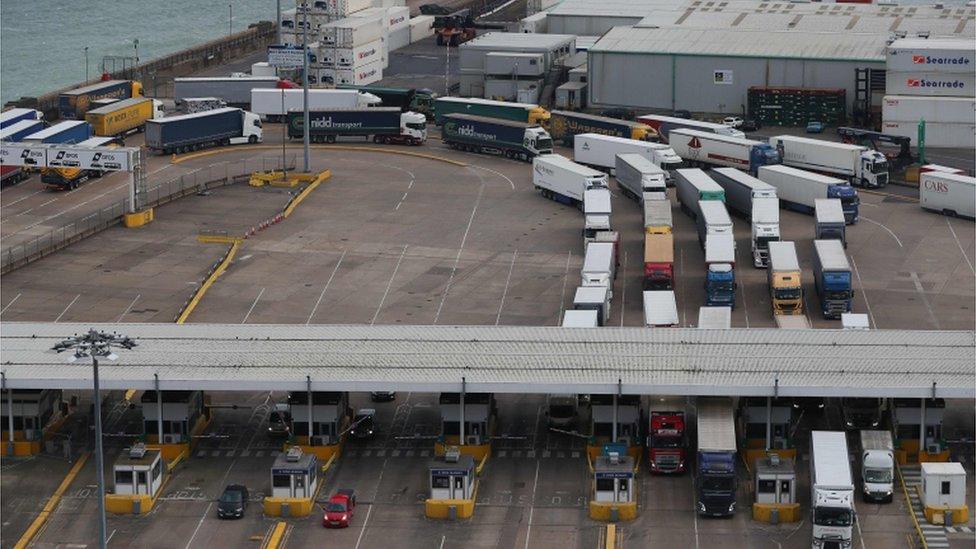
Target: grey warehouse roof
517	40
741	43
505	359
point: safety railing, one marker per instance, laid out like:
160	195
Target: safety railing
201	180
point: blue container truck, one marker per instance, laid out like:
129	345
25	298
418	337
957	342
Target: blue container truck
715	481
21	129
189	132
12	116
381	124
68	132
73	104
799	190
832	277
720	270
508	138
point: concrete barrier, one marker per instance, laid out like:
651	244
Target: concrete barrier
783	512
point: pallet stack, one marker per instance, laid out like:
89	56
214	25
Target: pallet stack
797	106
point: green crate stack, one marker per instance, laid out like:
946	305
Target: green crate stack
797	106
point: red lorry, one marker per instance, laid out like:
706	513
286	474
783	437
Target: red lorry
667	441
658	261
339	509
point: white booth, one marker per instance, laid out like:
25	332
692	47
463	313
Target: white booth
138	472
451	476
775	480
944	493
613	479
294	474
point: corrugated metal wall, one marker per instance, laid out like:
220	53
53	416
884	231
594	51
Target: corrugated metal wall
582	25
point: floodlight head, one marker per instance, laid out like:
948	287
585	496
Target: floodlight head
72	358
112	356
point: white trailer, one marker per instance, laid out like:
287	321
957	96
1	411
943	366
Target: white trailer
792	322
877	465
593	298
660	309
799	189
600	150
714	219
714	318
565	179
694	186
657	214
705	148
637	175
765	228
858	165
831	489
741	189
581	318
274	104
830	224
352	31
233	90
664	124
948	193
596	212
598	266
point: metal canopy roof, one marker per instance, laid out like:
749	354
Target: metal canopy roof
505	359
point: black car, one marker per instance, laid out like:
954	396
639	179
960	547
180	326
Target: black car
279	423
363	424
750	125
232	502
682	113
619	113
382	396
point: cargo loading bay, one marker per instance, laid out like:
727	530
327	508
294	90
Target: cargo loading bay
401	240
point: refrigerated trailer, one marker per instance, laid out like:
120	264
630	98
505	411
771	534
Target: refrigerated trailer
559	178
741	189
709	149
637	175
693	186
948	193
798	190
714	219
857	164
274	104
600	151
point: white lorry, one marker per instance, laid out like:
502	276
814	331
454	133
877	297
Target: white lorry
765	229
858	165
714	318
714	219
700	148
798	190
581	318
563	180
657	214
660	309
599	267
596	212
877	465
948	193
831	490
694	186
593	298
273	105
830	224
637	175
598	150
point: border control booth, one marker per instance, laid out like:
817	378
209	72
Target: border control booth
138	476
613	489
294	484
907	417
478	419
25	415
452	485
329	417
173	420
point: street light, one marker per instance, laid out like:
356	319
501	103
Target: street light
230	20
96	345
86	63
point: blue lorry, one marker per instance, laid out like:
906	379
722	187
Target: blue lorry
68	132
715	478
509	138
720	270
12	116
188	132
832	277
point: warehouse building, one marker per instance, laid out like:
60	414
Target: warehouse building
711	70
480	61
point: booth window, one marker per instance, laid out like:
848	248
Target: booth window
440	481
604	485
281	481
784	487
945	488
767	487
141	477
623	484
299	482
123	477
157	470
451	428
459	483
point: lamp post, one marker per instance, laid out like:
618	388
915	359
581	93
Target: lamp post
96	345
86	64
230	20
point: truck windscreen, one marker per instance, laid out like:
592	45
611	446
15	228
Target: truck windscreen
832	516
715	483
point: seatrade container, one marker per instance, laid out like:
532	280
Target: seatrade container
930	83
937	134
948	55
911	108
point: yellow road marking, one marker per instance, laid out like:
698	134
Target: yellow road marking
222	150
198	295
52	502
277	535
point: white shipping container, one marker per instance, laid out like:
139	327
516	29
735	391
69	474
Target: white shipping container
341	8
945	55
352	31
930	83
345	58
948	192
398	17
360	76
937	134
420	27
399	38
907	108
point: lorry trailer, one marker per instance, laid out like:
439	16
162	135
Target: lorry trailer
637	175
509	138
798	190
694	186
73	104
67	132
720	270
948	193
660	309
504	110
593	298
596	212
714	219
12	116
667	439
857	164
657	213
877	466
600	151
580	319
784	279
714	318
832	277
273	104
559	178
831	489
664	124
659	261
599	267
179	134
741	189
715	481
565	125
407	99
122	117
700	148
830	224
765	229
233	90
379	124
21	129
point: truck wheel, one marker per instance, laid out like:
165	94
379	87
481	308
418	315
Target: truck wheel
252	139
330	139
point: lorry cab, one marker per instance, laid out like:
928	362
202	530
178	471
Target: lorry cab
252	132
762	155
537	140
849	201
413	126
874	169
562	409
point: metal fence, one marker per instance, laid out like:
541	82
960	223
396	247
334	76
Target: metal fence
209	177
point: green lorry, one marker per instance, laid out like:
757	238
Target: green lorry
519	112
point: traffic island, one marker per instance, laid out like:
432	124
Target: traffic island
276	178
138	219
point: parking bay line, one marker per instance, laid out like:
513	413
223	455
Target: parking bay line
7	306
508	280
328	282
464	238
388	285
66	308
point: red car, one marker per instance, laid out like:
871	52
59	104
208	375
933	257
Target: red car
339	509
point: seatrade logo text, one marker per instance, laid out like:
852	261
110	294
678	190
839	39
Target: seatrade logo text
929	83
930	60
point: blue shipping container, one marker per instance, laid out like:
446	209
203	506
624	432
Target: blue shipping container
20	130
196	128
12	116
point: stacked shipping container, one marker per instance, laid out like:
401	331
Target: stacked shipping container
797	106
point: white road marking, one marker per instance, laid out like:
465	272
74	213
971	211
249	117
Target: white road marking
199	524
956	238
249	311
321	295
864	293
925	299
68	307
388	285
369	511
80	204
109	538
413	178
457	259
623	290
7	306
535	485
129	308
885	228
443	539
21	199
499	174
505	291
562	293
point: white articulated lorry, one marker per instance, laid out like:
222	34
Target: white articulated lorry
273	105
596	212
831	490
560	179
858	165
948	193
598	150
660	309
599	267
637	175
